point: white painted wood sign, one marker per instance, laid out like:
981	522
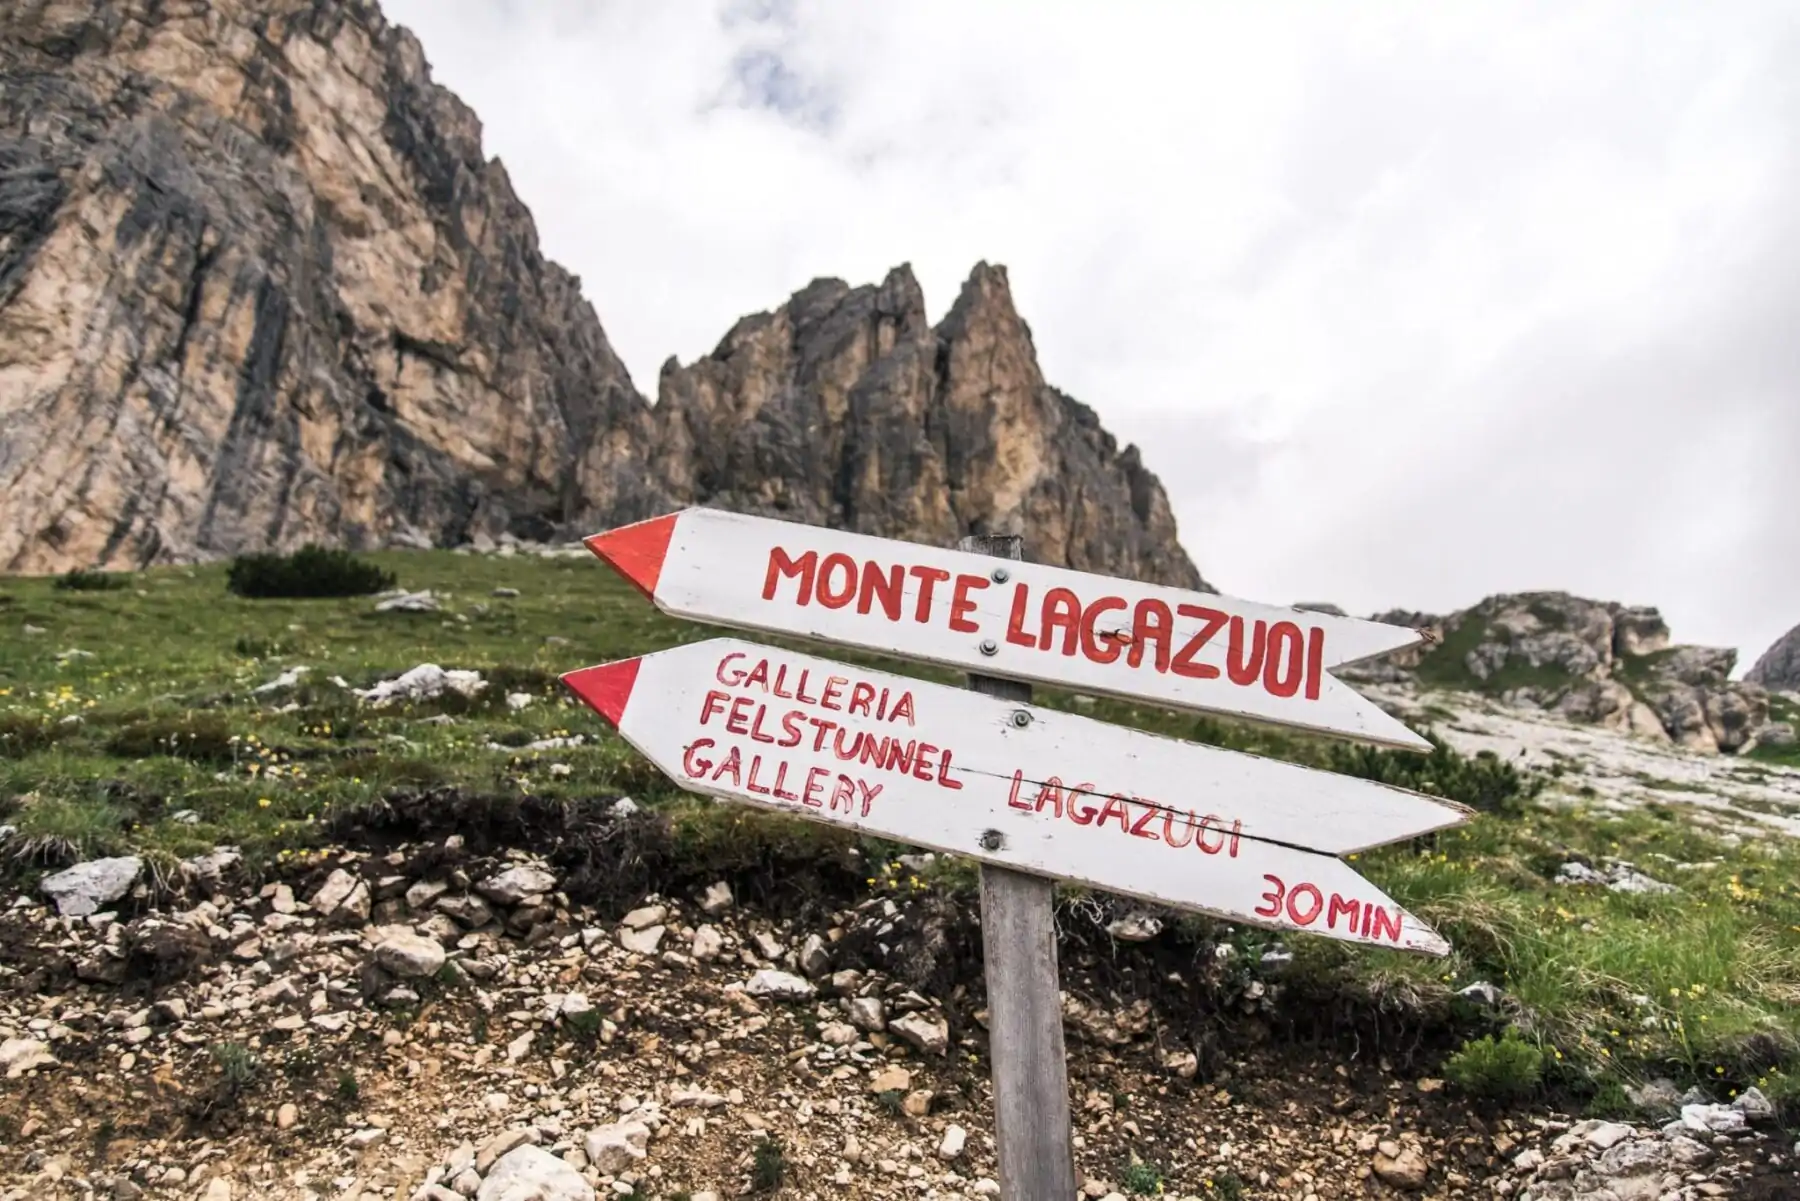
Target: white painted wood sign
1023	621
1243	838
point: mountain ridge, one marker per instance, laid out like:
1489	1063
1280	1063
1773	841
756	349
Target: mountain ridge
260	285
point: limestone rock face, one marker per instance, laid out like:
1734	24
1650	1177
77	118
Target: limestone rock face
1779	667
845	407
1595	662
259	285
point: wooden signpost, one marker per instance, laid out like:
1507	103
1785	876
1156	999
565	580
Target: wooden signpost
1035	795
1017	621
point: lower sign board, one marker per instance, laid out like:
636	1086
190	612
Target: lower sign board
1194	827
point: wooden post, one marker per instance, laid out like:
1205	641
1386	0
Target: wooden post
1025	1033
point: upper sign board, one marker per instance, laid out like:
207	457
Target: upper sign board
1247	839
1024	621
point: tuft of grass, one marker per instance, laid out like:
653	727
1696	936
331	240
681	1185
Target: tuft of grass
312	572
238	1066
59	830
1141	1179
348	1090
1496	1069
1226	1186
768	1166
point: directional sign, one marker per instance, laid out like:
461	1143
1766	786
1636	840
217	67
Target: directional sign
1024	621
1248	839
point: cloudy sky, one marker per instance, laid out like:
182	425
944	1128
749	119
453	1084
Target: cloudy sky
1408	302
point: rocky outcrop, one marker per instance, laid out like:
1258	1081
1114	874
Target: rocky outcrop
846	407
259	285
1779	668
1596	662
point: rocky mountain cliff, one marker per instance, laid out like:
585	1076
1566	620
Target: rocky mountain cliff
1779	667
1594	662
259	285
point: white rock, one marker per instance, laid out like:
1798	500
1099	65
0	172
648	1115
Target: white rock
422	894
642	942
533	1174
519	700
952	1145
409	602
837	1034
645	917
423	683
717	898
1135	927
708	944
1608	1134
86	887
1753	1105
868	1013
781	986
517	884
21	1055
932	1037
406	954
282	682
815	960
341	893
612	1149
1713	1119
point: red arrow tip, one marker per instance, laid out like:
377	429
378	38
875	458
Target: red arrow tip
637	551
606	688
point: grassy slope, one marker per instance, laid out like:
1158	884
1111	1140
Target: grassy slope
1701	985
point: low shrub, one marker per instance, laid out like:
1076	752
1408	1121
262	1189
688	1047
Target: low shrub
1496	1069
200	737
21	734
1483	782
82	580
312	572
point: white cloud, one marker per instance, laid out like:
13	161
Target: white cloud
1408	303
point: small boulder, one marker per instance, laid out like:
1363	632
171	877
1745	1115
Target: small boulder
779	986
931	1036
641	942
531	1173
815	960
1135	927
708	944
716	899
868	1013
86	887
406	954
21	1055
612	1149
1407	1170
517	884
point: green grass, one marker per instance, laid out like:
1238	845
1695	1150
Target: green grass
1702	985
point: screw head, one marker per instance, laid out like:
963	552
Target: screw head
992	840
1001	575
989	646
1021	718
